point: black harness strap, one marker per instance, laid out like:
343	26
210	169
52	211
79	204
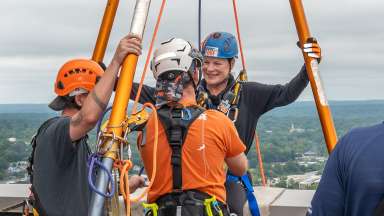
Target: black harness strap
176	122
36	201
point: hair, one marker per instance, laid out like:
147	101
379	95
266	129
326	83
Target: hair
70	102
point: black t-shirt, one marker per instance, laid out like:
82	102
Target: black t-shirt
60	170
255	100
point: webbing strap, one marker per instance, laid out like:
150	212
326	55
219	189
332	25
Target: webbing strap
176	122
176	142
252	202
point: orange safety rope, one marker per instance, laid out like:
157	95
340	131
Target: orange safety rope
126	165
134	109
259	157
154	154
238	33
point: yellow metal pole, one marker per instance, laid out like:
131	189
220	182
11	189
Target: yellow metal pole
105	30
314	77
112	140
127	74
120	103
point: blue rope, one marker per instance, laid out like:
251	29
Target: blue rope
94	159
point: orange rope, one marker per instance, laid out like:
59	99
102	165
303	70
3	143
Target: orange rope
259	157
154	154
238	33
134	109
126	165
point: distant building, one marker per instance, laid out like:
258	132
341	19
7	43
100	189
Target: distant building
305	180
19	166
296	130
12	139
310	154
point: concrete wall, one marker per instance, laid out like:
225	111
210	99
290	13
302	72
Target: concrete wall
272	201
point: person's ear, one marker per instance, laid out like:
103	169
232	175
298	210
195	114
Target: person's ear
232	63
79	99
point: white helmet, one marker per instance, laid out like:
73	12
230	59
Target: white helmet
175	55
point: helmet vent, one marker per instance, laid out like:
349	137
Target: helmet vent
60	85
216	35
165	42
157	66
177	60
182	50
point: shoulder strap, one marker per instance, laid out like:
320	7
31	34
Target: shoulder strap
229	101
33	144
176	122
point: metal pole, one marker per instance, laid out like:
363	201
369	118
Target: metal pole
105	30
314	77
119	107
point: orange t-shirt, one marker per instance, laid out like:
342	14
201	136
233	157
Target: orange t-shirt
211	138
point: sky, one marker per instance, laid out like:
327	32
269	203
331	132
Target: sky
38	36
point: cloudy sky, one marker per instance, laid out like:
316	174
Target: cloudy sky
38	36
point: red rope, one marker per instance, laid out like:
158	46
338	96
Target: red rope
134	109
238	33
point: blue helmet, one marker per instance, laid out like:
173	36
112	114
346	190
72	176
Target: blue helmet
220	45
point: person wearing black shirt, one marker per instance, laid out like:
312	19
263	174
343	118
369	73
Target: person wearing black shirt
59	159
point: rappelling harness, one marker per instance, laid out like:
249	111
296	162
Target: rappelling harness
176	121
229	106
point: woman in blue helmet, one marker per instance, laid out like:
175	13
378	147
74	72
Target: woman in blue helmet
220	51
216	90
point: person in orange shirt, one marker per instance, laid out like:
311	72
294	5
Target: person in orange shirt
194	144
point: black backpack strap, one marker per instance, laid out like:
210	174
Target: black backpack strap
176	122
34	197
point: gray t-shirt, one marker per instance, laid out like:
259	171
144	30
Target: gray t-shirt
60	170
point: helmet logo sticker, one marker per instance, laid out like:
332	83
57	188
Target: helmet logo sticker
211	51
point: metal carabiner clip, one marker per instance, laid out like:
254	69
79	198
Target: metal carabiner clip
236	113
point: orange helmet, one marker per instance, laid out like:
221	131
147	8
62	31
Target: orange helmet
77	74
